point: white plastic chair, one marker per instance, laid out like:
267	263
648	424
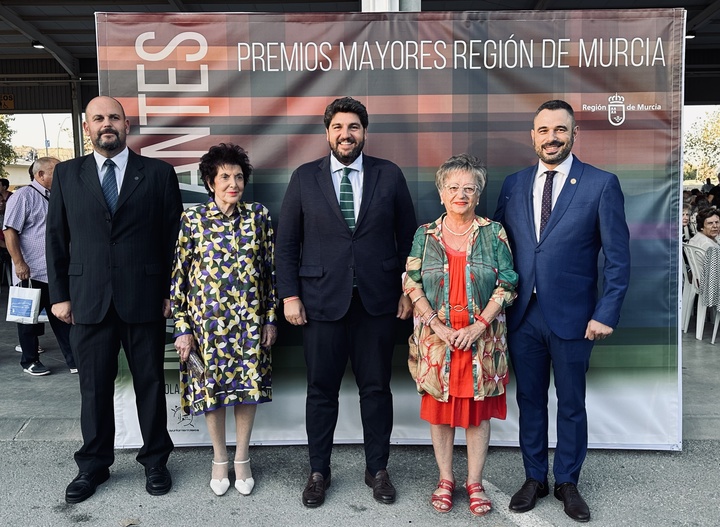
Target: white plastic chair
696	259
690	292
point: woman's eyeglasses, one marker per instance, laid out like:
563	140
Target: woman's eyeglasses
468	190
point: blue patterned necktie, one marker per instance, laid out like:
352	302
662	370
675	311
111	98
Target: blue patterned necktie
346	199
109	186
546	206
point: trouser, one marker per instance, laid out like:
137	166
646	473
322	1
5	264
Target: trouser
28	333
368	342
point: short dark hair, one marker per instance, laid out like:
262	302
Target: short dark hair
555	104
704	214
346	105
30	170
219	155
4	182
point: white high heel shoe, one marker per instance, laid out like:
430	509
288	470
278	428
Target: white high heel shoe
220	486
244	486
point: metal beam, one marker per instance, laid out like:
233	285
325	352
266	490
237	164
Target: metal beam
542	5
179	5
705	17
66	60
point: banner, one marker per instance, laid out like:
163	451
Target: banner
435	84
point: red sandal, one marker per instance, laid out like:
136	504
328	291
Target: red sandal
478	506
443	502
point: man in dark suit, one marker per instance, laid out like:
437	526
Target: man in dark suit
558	215
109	259
345	230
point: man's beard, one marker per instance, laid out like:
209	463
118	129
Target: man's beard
352	156
111	145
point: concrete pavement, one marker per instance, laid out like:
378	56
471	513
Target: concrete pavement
39	431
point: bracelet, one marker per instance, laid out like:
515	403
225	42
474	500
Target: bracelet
484	322
417	299
430	318
290	299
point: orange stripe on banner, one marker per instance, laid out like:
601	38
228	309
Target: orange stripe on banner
118	58
216	106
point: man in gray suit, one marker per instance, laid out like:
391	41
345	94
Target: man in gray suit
346	226
112	225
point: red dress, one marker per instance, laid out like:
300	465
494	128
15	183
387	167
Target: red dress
461	409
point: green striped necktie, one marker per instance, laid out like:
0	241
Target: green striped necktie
346	198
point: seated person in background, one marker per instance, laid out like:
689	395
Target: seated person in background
701	203
686	232
707	186
713	196
708	225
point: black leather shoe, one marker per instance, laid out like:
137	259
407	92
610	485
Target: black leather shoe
157	480
383	490
84	485
573	503
314	492
525	499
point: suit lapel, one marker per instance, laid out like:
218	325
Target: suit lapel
370	179
134	174
325	183
90	178
565	197
526	191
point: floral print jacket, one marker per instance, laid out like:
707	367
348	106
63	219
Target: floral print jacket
489	277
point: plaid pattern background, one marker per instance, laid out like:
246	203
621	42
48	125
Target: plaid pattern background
435	84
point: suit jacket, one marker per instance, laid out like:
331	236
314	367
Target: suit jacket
316	251
589	215
95	258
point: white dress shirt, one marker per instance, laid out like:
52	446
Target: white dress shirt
356	179
563	169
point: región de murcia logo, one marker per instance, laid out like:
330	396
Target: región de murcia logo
616	109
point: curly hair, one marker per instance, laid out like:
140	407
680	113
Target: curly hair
346	105
221	155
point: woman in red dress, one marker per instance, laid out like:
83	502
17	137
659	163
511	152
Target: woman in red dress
460	278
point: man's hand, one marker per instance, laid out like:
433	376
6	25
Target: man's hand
295	312
63	311
167	312
597	330
22	270
405	308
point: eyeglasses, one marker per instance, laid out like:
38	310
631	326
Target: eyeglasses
469	190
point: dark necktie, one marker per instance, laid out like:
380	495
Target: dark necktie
346	199
109	186
546	206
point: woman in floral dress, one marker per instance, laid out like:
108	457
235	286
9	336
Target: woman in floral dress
224	304
460	278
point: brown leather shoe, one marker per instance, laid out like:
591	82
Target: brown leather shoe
314	492
573	503
383	490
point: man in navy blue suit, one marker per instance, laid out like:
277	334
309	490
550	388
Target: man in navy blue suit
558	215
346	226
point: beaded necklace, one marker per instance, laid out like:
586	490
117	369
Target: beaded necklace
457	233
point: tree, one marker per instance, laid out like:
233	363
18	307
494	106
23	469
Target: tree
7	153
702	145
